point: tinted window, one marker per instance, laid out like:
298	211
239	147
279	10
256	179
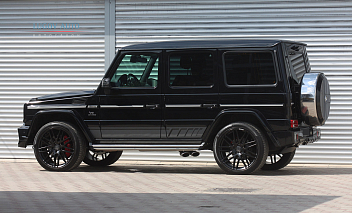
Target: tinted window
249	68
191	69
299	62
137	70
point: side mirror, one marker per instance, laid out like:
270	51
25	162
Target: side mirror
105	83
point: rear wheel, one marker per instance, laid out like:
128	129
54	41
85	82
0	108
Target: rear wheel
101	158
240	148
59	146
278	161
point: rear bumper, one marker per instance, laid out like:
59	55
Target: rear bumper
297	136
306	135
23	136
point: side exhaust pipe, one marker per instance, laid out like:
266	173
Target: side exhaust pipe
186	154
195	154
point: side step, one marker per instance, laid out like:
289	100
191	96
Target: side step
142	147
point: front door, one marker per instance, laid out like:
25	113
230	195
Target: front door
130	110
191	95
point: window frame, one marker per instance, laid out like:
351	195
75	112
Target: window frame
275	63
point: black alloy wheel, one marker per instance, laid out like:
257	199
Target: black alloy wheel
278	161
101	158
59	146
240	148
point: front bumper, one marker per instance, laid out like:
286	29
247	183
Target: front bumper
307	135
23	136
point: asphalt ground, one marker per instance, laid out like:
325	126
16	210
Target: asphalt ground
154	186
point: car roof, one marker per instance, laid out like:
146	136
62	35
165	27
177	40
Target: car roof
204	44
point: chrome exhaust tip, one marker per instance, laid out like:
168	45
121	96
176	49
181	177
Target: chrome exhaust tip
184	154
195	154
192	153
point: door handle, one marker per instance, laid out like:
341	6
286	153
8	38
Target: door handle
209	106
152	106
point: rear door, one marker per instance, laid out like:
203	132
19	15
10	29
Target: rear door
191	95
250	80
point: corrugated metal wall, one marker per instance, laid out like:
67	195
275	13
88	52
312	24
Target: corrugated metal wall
34	63
36	59
324	25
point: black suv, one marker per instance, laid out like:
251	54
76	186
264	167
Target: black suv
252	102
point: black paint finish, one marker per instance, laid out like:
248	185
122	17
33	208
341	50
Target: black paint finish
168	114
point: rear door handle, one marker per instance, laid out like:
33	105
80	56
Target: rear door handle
209	106
152	106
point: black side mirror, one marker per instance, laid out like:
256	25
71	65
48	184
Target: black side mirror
105	83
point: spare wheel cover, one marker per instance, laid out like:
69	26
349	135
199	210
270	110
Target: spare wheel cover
315	99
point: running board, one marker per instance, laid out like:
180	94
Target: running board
121	147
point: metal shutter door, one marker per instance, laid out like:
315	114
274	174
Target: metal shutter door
35	62
323	25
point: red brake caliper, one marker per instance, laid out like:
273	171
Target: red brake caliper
68	145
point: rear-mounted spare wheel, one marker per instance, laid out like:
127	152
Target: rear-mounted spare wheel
315	99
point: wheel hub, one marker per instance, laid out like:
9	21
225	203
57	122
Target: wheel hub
57	147
237	152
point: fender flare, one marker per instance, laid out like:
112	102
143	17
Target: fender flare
244	115
75	119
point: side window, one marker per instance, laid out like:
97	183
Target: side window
137	70
191	69
249	68
298	59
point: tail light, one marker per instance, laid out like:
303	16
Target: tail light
294	123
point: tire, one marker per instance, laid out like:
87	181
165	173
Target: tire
59	146
240	148
101	158
315	99
278	161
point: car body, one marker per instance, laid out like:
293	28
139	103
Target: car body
188	96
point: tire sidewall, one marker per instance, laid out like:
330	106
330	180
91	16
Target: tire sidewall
79	145
262	147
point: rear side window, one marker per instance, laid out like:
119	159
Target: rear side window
249	68
191	69
298	59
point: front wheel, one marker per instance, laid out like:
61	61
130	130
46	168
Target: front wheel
59	146
240	148
101	158
278	161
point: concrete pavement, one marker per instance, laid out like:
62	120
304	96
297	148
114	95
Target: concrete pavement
152	186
